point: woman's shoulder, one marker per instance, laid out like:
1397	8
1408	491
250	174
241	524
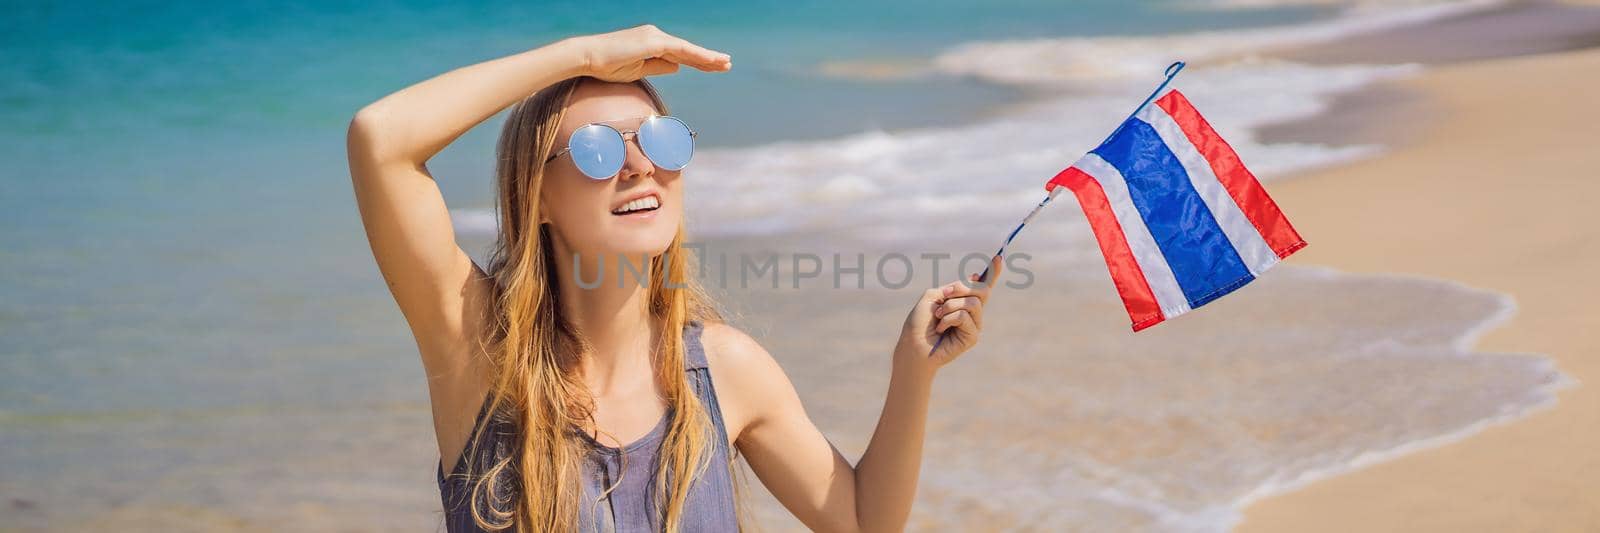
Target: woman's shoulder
724	341
744	372
731	348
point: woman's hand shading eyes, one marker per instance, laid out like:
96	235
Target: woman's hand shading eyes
640	51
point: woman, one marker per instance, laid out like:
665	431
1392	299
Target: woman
557	400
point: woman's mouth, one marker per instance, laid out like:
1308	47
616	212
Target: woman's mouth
638	205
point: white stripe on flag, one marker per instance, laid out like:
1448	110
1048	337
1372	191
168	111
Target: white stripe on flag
1244	236
1151	261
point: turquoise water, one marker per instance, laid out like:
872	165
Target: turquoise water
177	218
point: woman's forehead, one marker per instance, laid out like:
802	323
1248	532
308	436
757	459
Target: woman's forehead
617	104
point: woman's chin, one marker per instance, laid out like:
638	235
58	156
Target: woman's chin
633	246
648	236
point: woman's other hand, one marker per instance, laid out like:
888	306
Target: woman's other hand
946	321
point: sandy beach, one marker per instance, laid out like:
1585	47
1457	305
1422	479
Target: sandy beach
1495	192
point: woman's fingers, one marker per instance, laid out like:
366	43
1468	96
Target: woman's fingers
955	316
958	318
684	52
645	50
678	50
657	67
960	307
970	304
979	289
996	268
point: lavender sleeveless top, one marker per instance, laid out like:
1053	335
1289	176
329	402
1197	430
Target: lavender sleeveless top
709	507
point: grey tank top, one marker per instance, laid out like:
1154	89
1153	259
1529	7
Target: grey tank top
628	508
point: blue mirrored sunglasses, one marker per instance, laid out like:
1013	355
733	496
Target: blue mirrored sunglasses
599	150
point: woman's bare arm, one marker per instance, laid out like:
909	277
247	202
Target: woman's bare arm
793	459
441	292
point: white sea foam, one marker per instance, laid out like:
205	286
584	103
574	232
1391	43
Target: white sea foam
1351	5
1095	59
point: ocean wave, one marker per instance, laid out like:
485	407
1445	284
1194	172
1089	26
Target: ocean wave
1366	5
1071	60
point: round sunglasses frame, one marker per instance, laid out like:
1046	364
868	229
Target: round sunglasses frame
623	135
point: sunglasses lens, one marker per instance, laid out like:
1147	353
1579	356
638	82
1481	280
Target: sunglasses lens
598	151
667	142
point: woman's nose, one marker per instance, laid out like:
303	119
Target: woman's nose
636	164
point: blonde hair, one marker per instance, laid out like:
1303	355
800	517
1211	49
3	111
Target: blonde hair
534	351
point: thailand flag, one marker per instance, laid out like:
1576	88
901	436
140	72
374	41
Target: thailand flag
1180	220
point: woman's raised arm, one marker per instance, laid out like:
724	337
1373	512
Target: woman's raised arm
406	220
438	288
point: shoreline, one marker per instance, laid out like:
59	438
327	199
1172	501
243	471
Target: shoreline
1369	114
1415	474
1467	342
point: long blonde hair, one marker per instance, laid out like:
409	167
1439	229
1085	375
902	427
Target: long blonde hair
534	351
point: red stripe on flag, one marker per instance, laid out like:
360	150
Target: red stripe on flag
1240	183
1125	271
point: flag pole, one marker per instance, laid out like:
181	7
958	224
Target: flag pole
1171	72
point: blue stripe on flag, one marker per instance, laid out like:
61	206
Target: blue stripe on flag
1199	253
